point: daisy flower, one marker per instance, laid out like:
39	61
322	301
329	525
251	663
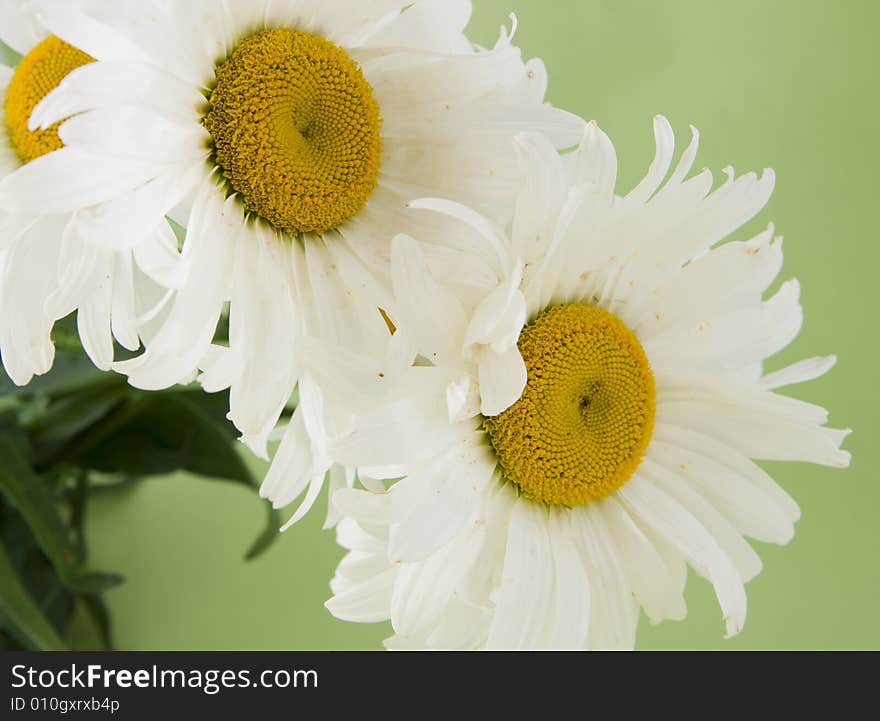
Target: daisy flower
287	136
47	268
583	414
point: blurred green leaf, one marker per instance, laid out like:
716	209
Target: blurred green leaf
270	534
20	613
68	418
27	492
158	433
100	615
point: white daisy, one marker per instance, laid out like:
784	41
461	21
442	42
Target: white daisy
289	134
47	268
582	421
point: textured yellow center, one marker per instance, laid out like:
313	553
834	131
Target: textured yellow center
295	130
584	420
38	73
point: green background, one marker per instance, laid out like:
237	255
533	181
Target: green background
789	84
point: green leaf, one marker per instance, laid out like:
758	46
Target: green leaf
28	493
158	433
91	582
100	615
55	431
268	536
20	613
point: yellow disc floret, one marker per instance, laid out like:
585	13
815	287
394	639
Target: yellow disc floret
295	129
38	73
584	420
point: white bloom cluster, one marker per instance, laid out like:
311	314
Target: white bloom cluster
535	400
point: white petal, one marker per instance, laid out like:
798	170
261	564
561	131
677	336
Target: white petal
800	372
449	494
435	25
735	339
338	477
291	467
428	312
423	590
94	324
686	161
760	432
174	354
82	267
658	590
745	470
461	627
159	258
462	398
594	163
28	270
352	536
543	191
68	22
115	84
365	507
19	27
498	320
569	623
492	240
126	221
368	602
110	132
45	186
665	143
751	510
523	601
502	379
315	486
398	433
351	377
614	613
480	583
122	314
734	546
547	285
13	226
263	330
670	519
729	278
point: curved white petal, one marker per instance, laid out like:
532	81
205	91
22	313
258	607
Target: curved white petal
44	186
19	27
613	610
675	523
502	379
734	546
658	590
174	353
524	597
429	312
262	331
569	621
448	491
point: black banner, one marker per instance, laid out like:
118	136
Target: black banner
151	685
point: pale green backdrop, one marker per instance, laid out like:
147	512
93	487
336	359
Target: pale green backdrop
790	84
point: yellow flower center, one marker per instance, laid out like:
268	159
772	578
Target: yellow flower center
584	420
295	129
38	73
